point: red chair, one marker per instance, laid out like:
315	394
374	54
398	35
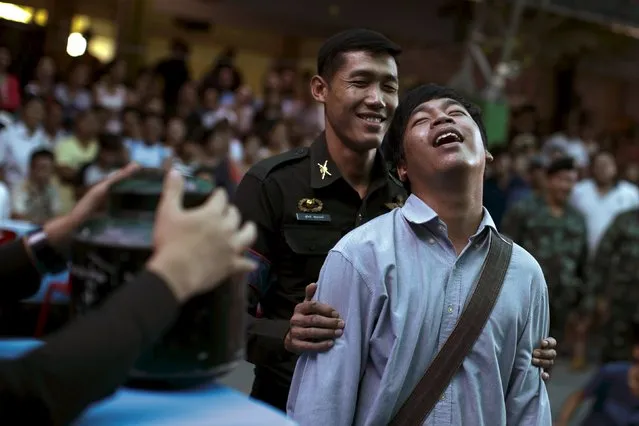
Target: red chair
7	235
60	287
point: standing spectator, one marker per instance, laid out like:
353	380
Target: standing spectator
503	187
9	85
36	199
174	71
604	196
150	152
568	140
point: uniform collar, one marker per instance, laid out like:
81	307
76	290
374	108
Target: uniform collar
324	171
418	212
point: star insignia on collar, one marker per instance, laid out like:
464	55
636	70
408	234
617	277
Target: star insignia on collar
323	169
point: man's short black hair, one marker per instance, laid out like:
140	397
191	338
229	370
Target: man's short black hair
330	57
560	165
393	145
41	153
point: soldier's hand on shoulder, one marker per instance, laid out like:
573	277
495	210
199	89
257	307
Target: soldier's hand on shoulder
314	325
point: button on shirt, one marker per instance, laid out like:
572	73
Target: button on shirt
16	146
401	288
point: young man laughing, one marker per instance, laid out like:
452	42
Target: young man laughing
401	282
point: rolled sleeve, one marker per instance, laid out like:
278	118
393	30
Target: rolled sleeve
325	385
527	398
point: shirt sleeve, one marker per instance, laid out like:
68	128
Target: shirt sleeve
325	385
527	398
258	201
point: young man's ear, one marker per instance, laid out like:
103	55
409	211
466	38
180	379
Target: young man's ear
489	157
319	88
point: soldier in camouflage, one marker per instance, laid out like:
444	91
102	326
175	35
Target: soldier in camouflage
555	234
614	277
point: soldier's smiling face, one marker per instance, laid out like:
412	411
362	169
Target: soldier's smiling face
360	98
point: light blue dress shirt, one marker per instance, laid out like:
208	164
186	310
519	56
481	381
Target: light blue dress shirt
400	287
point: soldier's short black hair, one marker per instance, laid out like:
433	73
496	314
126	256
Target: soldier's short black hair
331	55
560	165
393	145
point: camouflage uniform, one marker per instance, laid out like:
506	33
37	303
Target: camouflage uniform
614	275
560	246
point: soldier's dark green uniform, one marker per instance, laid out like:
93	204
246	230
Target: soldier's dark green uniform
302	207
614	276
560	245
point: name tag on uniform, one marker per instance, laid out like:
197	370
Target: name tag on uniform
313	217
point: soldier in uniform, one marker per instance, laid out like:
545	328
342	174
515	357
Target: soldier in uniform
305	200
555	234
614	279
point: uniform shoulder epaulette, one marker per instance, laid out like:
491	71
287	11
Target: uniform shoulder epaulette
268	165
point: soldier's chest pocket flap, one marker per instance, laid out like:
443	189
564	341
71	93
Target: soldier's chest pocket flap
311	240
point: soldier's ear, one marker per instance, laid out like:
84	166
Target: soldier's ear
489	157
319	88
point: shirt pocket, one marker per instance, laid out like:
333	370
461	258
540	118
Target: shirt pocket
309	245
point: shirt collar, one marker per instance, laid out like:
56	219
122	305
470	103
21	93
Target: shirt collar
418	212
324	171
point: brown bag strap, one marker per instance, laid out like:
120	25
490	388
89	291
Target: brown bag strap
467	330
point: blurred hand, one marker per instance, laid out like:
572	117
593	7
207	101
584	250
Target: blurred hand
314	325
60	228
544	356
197	249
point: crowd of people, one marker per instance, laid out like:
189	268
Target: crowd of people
66	129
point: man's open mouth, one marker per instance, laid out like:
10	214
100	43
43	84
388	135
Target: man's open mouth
447	136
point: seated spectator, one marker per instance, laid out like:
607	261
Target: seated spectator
53	124
20	139
149	152
73	94
37	199
277	141
110	157
73	152
79	148
188	156
111	94
216	165
131	124
175	132
252	147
